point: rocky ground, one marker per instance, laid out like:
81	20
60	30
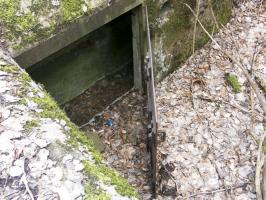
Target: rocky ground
41	156
30	159
211	128
209	151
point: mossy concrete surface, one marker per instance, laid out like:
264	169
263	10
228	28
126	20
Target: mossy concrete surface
172	29
26	22
32	31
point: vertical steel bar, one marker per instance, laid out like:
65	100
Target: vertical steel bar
152	129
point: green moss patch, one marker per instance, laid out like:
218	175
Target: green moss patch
93	192
71	9
11	69
52	110
21	25
233	81
110	177
25	79
26	26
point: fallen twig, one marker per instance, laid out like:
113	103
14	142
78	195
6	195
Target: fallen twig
252	103
195	25
228	103
264	180
259	165
219	190
25	182
12	193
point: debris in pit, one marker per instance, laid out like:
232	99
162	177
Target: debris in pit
95	99
125	138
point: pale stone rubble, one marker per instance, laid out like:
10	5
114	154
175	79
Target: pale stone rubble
39	159
208	145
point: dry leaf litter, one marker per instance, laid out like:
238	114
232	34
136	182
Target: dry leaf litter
209	146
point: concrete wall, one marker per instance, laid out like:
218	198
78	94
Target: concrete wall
69	32
172	26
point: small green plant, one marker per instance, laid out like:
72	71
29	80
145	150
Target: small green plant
23	101
233	81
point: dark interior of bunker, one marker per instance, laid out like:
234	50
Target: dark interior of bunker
93	81
102	62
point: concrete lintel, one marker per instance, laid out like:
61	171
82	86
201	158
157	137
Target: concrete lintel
74	32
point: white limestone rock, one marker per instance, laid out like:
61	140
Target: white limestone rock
52	132
15	171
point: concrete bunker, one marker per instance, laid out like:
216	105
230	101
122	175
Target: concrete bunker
105	51
91	72
102	62
88	75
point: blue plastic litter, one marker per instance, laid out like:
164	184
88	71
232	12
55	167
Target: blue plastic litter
110	123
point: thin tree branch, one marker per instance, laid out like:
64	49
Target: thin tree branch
259	165
195	25
217	191
213	15
25	182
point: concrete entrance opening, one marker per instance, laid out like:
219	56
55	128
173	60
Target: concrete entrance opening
74	69
96	69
